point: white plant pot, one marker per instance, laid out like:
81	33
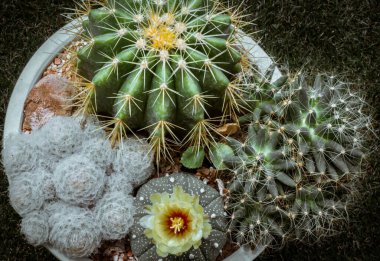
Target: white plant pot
44	56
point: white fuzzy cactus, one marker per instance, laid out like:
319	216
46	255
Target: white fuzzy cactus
61	137
114	213
26	193
75	232
118	182
35	227
99	150
139	167
78	180
70	185
20	156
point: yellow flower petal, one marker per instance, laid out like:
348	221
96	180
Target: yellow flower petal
175	222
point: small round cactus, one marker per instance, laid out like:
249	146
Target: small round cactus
139	167
294	168
100	147
114	213
20	156
75	232
61	137
119	182
178	199
26	192
35	227
78	180
165	66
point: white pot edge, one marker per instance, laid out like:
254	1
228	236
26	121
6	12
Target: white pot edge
43	57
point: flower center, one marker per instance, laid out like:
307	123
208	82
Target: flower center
177	224
160	32
161	37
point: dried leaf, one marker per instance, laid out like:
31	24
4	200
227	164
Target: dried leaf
228	129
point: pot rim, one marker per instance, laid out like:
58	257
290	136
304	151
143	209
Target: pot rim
34	69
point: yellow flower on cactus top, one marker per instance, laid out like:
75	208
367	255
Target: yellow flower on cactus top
175	222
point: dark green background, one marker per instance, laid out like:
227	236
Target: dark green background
335	36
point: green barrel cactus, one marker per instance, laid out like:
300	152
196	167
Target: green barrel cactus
178	217
295	167
167	66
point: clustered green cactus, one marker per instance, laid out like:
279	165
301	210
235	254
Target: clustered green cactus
294	169
162	65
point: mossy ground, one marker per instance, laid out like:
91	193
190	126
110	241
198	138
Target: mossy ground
342	37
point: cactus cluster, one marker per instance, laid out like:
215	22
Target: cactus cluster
293	170
162	66
76	191
211	205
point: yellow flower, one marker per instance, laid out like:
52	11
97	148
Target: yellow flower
175	222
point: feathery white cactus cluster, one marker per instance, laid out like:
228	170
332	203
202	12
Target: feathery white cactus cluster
74	191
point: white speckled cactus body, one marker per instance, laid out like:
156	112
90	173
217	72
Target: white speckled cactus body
294	170
166	66
209	199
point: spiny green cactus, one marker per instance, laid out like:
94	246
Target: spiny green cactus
165	66
209	199
295	168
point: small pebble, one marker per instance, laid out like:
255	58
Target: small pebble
57	61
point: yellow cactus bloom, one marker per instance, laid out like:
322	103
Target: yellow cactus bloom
175	222
160	32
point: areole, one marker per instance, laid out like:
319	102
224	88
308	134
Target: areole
43	57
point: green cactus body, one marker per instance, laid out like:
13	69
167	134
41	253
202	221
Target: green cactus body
159	65
294	169
144	248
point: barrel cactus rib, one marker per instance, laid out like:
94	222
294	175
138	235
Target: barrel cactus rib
164	66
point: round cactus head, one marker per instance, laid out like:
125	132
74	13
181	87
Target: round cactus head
74	231
178	217
164	66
